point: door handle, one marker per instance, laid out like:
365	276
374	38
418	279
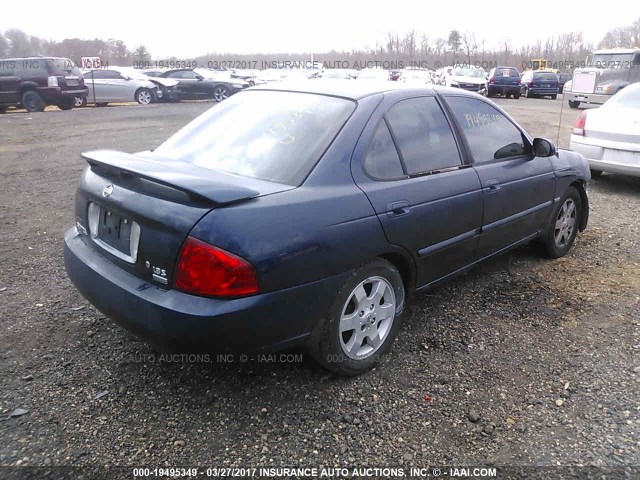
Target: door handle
492	185
397	209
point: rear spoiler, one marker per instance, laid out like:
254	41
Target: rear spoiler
201	183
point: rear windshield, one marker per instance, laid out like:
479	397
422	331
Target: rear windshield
628	97
545	76
274	136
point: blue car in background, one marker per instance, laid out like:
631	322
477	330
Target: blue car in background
504	81
539	83
306	214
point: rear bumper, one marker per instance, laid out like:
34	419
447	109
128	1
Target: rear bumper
594	98
543	91
269	321
597	158
502	89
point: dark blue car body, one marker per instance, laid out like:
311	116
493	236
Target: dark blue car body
539	83
305	240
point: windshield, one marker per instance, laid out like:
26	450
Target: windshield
468	72
275	136
611	60
628	97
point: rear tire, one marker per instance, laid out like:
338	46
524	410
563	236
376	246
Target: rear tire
573	104
67	104
563	226
553	97
516	96
595	173
79	102
363	320
32	101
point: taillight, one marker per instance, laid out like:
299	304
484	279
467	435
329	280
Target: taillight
52	81
532	84
492	81
578	128
518	81
207	270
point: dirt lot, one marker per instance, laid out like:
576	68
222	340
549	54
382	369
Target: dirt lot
523	361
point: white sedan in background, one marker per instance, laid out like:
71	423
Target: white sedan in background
118	84
609	136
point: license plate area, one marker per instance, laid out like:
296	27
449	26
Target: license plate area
114	232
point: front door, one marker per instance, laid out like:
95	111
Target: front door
518	187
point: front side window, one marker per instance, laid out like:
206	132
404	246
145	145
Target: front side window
489	134
423	135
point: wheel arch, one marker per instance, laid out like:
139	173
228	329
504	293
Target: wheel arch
405	266
581	186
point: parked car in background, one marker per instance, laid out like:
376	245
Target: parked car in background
563	78
470	79
609	136
416	76
248	76
373	74
292	215
270	75
504	81
35	82
201	83
338	73
567	87
116	84
539	83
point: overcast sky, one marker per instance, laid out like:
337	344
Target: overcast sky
188	28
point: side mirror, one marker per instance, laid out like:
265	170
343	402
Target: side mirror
543	148
199	78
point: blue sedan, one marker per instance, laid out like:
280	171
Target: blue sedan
306	214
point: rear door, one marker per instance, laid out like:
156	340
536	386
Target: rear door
427	199
9	82
518	187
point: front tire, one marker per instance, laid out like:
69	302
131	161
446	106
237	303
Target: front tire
363	320
563	228
32	101
144	96
573	104
79	102
553	97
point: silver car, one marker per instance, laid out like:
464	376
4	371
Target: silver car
609	136
109	85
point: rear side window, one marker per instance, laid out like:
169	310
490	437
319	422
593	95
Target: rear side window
269	135
490	135
423	135
382	161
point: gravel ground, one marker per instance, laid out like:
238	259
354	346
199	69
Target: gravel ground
521	362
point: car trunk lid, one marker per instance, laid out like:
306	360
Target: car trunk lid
138	210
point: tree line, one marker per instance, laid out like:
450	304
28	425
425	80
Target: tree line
567	50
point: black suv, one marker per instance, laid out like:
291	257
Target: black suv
35	82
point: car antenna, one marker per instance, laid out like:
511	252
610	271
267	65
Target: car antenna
560	120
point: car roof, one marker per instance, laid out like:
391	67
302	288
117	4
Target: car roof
354	89
33	58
